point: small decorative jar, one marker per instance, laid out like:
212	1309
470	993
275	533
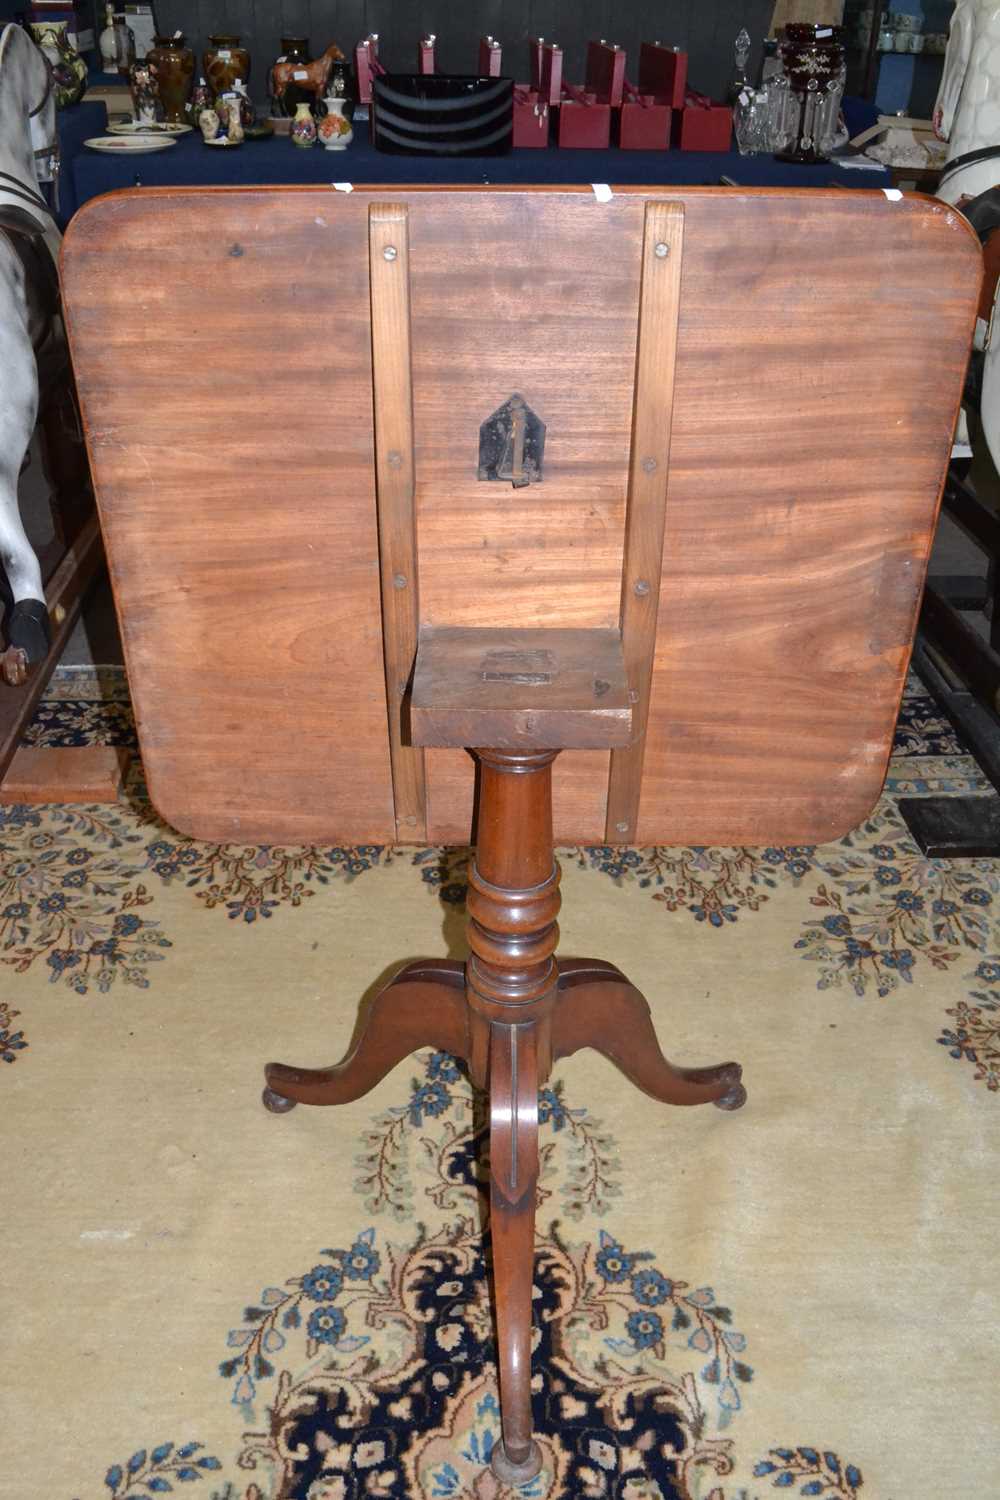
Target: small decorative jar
295	50
173	65
225	61
208	124
69	71
334	130
303	127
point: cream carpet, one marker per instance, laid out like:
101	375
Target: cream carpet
204	1299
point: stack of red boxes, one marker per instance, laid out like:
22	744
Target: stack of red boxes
366	64
531	109
584	122
489	57
605	72
647	111
697	124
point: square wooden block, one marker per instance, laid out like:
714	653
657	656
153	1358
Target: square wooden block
517	689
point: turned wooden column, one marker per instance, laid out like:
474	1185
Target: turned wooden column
511	982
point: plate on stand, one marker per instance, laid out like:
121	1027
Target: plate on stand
158	127
130	145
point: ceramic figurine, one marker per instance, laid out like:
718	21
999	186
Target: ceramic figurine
303	127
312	76
173	66
233	121
247	112
334	130
294	50
208	124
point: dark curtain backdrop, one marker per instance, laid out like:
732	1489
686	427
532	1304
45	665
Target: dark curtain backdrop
705	28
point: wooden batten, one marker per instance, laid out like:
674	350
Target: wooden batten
388	241
649	467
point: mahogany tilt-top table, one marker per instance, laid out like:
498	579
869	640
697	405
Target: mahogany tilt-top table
647	485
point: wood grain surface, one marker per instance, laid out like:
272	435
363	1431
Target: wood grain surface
517	689
221	340
392	390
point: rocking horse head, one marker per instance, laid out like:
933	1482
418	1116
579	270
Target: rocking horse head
967	110
27	138
29	147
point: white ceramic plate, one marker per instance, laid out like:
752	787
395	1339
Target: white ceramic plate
130	145
135	127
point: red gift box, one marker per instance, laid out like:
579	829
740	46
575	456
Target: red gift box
643	122
546	70
702	125
605	73
531	117
663	73
489	57
583	123
365	65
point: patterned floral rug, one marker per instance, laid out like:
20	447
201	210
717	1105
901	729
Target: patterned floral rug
205	1299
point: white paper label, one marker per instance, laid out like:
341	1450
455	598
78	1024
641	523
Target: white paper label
344	187
299	74
177	35
224	55
602	192
823	31
893	194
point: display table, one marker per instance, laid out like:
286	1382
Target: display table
86	174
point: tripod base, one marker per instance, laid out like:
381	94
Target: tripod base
509	1013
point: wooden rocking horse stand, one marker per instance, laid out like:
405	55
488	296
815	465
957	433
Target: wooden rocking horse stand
510	1012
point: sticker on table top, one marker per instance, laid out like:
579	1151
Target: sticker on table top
893	194
602	192
343	187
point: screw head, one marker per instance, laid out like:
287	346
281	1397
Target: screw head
390	252
399	581
649	465
621	828
661	250
641	587
395	458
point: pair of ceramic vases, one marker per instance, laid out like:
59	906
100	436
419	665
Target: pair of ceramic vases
334	130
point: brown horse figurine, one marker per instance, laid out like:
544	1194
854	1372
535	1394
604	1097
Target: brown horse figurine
313	76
